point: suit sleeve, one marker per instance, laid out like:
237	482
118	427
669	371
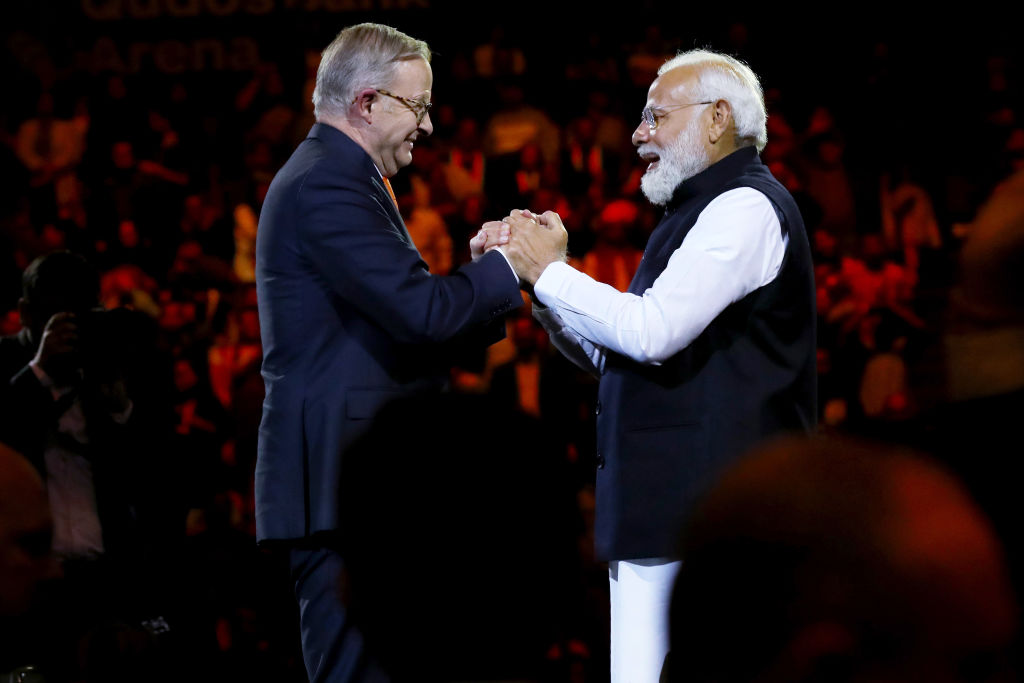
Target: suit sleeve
353	244
28	408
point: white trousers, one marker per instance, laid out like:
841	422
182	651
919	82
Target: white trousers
640	595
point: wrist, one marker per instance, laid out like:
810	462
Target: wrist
40	372
536	272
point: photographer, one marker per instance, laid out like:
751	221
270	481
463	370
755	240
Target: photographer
69	379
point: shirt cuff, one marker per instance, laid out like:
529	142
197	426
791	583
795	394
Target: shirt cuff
551	281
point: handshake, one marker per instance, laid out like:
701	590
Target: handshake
530	242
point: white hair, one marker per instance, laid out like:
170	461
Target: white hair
721	77
361	56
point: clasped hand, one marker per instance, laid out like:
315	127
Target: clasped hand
530	242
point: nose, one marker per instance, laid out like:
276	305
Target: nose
426	125
642	134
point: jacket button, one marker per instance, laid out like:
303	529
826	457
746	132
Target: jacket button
600	461
597	408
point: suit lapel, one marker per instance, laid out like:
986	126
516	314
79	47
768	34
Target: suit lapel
347	150
384	197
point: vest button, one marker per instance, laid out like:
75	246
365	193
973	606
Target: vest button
597	408
600	461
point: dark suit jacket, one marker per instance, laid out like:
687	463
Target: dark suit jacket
28	407
350	318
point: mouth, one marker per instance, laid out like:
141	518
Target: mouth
650	157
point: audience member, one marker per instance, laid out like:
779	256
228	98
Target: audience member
51	149
81	401
613	259
974	429
837	561
464	168
826	179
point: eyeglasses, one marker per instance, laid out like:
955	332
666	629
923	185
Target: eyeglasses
417	107
651	119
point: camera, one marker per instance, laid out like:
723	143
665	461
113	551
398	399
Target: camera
104	342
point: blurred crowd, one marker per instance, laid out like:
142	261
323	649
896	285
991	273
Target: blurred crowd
160	192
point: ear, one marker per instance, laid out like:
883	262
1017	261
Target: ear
721	120
364	103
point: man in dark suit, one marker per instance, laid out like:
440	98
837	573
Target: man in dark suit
350	316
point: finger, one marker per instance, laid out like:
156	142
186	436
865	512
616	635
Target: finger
491	224
551	219
501	229
59	318
500	236
515	219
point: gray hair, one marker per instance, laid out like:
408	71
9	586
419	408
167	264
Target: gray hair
361	56
722	77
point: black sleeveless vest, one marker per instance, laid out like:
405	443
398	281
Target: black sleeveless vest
665	432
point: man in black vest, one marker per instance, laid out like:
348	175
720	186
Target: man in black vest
711	349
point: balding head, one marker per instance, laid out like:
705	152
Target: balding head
26	531
828	560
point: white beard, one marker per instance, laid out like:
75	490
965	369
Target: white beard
682	159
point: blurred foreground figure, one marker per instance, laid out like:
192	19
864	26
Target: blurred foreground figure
26	561
976	431
26	558
26	532
460	563
834	561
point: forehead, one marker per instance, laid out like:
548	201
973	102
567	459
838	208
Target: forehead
413	77
671	85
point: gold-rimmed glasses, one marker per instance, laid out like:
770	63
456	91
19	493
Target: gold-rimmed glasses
417	107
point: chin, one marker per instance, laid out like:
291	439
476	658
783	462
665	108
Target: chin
403	159
659	187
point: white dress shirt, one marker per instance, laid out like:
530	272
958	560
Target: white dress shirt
735	247
77	532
